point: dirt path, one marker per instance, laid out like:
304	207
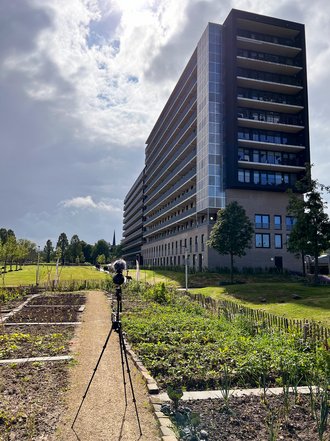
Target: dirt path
103	416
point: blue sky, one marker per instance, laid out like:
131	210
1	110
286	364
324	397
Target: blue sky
83	82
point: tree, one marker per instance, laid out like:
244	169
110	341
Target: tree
311	231
75	250
5	234
10	247
24	249
87	250
63	244
100	260
231	233
48	250
101	247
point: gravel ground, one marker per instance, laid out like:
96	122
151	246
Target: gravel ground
103	416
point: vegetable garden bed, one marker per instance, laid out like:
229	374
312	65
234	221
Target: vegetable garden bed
184	346
30	393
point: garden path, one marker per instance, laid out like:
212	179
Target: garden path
103	416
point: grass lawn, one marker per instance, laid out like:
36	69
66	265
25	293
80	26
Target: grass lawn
276	289
27	276
277	298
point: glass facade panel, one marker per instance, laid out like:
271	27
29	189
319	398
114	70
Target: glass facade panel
210	192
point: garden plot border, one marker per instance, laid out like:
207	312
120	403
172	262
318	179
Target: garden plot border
14	311
36	359
3	321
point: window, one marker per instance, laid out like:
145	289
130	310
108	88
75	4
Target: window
243	175
261	221
262	240
278	240
277	222
289	222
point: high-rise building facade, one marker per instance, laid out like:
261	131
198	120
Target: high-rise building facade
234	128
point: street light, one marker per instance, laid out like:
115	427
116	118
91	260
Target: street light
37	272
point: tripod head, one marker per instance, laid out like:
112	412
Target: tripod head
118	279
119	266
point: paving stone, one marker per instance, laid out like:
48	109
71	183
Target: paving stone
157	408
169	438
166	431
152	388
165	421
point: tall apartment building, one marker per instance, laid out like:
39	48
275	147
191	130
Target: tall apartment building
234	128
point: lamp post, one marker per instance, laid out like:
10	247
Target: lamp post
37	272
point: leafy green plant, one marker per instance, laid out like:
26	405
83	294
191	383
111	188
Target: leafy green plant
174	394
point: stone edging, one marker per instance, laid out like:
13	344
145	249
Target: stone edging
165	423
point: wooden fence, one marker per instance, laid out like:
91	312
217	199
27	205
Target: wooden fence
309	330
62	285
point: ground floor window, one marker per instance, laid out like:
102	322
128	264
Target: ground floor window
262	240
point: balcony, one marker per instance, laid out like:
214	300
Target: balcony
258	44
264	120
270	86
270	167
267	66
265	145
268	105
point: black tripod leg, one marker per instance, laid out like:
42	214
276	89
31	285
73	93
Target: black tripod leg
123	350
90	381
122	364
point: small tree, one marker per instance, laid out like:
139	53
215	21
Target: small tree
48	250
232	233
311	232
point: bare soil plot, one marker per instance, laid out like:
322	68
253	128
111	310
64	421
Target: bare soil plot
250	418
31	393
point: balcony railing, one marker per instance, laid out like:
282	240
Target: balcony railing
168	208
181	182
268	38
165	178
174	149
169	222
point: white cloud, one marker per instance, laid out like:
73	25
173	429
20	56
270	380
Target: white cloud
87	202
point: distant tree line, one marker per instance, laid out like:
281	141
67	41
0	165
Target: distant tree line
16	252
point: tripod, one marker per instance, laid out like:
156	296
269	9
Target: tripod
116	326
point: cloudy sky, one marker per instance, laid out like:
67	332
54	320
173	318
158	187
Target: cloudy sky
83	81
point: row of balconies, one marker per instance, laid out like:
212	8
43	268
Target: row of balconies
165	178
177	120
169	152
166	224
167	210
185	79
133	219
179	185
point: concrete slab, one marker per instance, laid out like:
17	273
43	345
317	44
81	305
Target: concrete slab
34	359
217	394
41	323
